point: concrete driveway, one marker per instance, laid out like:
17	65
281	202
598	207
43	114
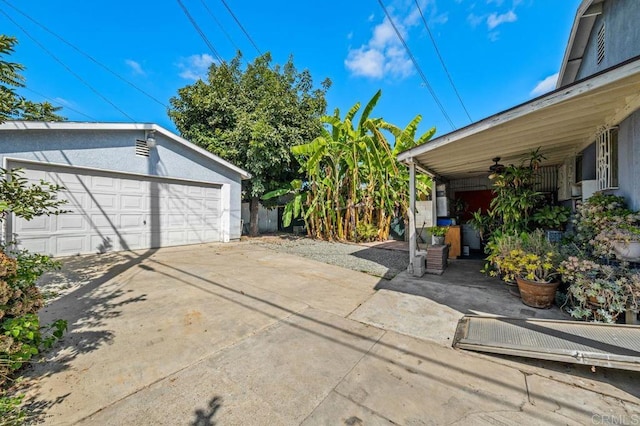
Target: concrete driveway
236	334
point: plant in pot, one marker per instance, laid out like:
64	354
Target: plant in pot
535	266
483	224
599	213
621	238
598	292
515	196
553	220
498	249
437	234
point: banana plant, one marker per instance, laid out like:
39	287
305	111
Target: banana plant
352	177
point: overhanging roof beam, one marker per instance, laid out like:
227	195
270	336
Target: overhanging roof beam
593	10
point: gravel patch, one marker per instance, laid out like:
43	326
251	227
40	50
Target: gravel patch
378	262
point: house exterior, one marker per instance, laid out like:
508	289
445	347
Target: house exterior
128	186
588	128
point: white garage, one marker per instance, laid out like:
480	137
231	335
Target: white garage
114	210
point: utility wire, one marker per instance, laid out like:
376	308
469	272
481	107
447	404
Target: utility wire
415	64
86	55
218	24
65	66
199	30
241	27
59	103
435	46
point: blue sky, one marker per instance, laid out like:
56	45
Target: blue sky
499	52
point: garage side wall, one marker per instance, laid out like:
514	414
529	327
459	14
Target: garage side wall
114	150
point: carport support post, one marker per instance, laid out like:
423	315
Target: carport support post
416	264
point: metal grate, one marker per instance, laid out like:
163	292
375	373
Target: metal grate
142	148
607	159
601	49
606	345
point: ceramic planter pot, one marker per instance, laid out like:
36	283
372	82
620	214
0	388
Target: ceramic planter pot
629	251
537	295
437	241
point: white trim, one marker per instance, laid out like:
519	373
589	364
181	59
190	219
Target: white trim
225	213
71	125
551	99
8	160
580	30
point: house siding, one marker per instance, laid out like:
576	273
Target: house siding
114	150
622	37
629	160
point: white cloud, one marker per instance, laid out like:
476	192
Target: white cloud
494	36
475	20
398	64
371	17
136	68
494	19
546	85
366	62
384	34
496	2
195	67
383	55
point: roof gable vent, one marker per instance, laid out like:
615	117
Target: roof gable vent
142	149
601	44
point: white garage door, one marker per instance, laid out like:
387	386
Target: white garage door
112	211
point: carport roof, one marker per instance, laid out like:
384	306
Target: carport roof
72	125
561	123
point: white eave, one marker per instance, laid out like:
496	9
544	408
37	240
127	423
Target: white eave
73	125
561	123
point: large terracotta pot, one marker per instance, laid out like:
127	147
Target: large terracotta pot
537	295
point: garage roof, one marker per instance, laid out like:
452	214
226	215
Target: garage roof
561	123
71	125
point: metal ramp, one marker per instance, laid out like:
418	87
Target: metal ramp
603	345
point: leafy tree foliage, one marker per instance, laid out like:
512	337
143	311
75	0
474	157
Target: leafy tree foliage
21	335
12	105
354	184
252	117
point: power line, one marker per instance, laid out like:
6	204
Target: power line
104	98
86	55
199	30
435	46
219	25
60	104
415	64
241	27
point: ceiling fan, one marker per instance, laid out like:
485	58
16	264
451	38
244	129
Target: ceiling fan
496	167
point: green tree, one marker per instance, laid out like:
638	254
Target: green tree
12	105
354	183
252	117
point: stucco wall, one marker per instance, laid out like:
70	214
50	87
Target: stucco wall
629	160
114	150
622	37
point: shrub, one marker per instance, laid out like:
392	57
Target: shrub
21	336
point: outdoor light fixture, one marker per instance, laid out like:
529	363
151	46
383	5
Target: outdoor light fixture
151	141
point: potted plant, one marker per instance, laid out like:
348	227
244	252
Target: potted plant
483	224
599	292
535	266
498	249
437	234
553	220
620	237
